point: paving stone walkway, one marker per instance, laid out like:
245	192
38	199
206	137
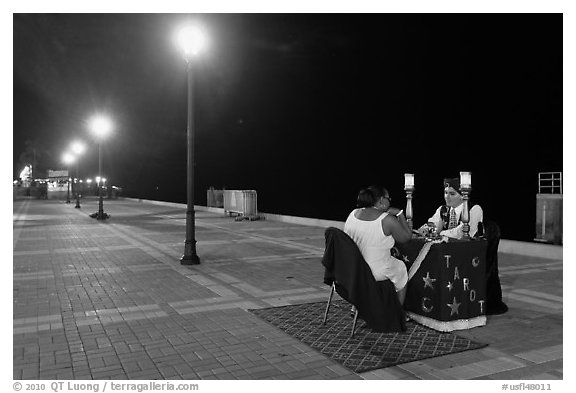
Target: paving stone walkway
110	300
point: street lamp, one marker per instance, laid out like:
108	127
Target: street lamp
100	126
68	159
191	41
78	148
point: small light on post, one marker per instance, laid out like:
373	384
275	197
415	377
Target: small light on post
408	181
466	180
465	188
409	188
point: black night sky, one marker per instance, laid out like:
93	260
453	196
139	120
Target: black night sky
304	108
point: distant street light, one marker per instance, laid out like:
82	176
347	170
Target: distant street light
100	126
78	148
68	158
191	41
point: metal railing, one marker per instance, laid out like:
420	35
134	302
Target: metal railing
550	183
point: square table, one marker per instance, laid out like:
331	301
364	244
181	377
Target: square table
447	282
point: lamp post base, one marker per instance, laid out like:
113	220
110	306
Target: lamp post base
190	260
190	257
100	216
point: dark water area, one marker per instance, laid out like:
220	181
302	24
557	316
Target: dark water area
308	127
332	196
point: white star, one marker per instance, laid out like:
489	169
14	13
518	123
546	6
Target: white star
449	286
453	307
428	281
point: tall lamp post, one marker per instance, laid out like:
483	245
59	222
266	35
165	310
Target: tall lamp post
100	126
78	149
68	159
191	41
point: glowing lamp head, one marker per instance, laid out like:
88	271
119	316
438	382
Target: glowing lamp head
191	40
100	126
88	181
97	179
78	147
68	158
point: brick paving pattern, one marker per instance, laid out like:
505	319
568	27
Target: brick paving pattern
110	300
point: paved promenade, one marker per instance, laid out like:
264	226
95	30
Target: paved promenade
110	300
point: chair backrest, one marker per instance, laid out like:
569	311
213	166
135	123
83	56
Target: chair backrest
376	301
492	235
494	304
346	259
492	230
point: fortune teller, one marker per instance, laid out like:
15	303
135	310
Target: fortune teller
447	220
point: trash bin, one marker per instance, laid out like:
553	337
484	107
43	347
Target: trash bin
242	202
549	218
549	208
214	198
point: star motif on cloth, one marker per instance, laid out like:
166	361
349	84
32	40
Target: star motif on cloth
454	306
428	281
405	259
449	286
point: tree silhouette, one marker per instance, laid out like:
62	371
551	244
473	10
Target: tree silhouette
34	154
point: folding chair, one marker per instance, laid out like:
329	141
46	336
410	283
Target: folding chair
332	289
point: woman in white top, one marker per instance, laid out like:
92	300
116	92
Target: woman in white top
375	227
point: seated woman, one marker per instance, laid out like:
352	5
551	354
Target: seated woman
375	227
446	221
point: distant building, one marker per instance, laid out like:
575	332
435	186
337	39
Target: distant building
57	184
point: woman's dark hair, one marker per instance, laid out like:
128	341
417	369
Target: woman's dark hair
367	197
